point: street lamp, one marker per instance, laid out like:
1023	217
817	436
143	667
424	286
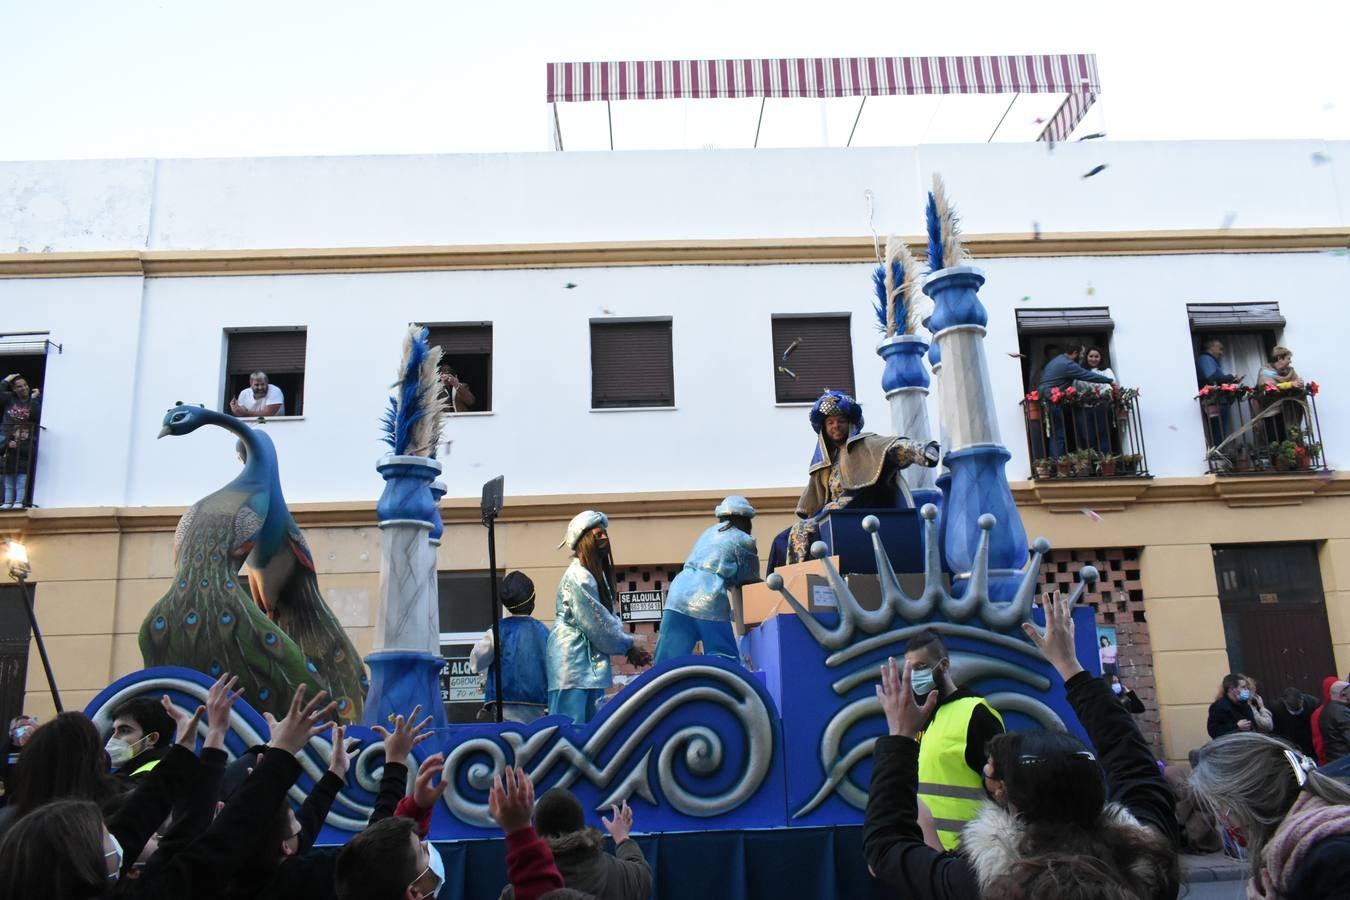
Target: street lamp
19	570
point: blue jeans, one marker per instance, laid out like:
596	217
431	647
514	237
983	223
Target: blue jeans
1056	431
680	632
15	490
578	704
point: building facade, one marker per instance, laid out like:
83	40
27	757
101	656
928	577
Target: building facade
642	333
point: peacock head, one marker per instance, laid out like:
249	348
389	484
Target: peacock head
183	419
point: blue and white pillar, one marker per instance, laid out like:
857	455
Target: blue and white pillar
406	662
975	453
905	381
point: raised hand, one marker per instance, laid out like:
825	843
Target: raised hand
511	803
1056	642
185	724
904	717
340	756
424	794
218	702
399	742
620	823
303	721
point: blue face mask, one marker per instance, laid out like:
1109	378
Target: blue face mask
921	681
1244	694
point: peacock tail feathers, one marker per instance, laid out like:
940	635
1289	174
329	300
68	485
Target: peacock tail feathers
208	621
329	654
412	423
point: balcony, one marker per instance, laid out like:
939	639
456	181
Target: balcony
1261	430
18	460
1074	434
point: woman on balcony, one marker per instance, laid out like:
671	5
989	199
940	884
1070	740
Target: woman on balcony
1094	422
1274	379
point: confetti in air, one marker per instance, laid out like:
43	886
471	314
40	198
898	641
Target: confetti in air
1026	299
1320	158
790	347
1228	219
1091	514
1095	170
570	285
1091	291
1035	231
1094	136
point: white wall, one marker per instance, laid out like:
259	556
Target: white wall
544	197
106	394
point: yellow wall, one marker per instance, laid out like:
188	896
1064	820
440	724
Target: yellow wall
98	571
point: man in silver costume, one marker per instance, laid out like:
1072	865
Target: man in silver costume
586	633
698	606
850	467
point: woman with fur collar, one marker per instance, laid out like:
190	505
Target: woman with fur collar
1054	827
1294	819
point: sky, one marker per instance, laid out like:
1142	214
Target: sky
94	79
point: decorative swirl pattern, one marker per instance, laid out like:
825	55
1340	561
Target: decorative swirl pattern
700	749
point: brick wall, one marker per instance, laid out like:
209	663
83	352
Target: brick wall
1118	603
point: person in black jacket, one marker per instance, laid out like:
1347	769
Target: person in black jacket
1050	821
1127	698
1293	719
1295	819
1232	710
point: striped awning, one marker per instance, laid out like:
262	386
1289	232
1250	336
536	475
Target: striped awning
1073	74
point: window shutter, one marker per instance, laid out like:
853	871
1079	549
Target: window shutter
266	351
460	339
822	358
1077	320
1234	316
631	364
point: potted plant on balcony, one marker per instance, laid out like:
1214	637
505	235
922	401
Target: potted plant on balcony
1083	462
1285	455
1122	401
1244	459
1032	404
1128	463
1045	468
1108	465
1064	465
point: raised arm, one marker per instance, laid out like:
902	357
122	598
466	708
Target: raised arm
602	627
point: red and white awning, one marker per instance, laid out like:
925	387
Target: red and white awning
1072	74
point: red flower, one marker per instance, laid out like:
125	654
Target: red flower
1070	392
1312	388
1271	389
1055	394
1300	451
1206	390
1228	387
1034	397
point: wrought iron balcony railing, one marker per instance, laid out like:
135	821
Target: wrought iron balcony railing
1085	434
1261	429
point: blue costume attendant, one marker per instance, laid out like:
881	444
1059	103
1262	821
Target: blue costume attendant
698	607
585	632
524	648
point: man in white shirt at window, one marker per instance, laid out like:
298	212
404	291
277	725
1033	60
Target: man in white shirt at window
259	399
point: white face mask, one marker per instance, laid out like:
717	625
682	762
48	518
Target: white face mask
120	752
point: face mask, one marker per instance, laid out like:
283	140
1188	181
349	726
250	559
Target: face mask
921	681
1244	694
438	866
21	734
119	751
1117	688
117	852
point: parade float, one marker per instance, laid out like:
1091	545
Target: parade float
746	778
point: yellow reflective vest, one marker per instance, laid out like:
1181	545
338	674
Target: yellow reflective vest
946	783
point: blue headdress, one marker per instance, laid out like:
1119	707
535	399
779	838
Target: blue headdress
833	403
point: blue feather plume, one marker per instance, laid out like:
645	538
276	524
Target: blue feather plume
879	287
935	248
406	407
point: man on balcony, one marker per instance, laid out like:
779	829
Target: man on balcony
1208	371
1061	372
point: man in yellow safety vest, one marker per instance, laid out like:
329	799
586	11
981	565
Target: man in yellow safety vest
951	748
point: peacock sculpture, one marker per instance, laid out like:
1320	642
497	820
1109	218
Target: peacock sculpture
271	627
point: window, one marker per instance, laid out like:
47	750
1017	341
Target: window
631	364
465	602
279	352
466	347
1248	332
811	354
1042	334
